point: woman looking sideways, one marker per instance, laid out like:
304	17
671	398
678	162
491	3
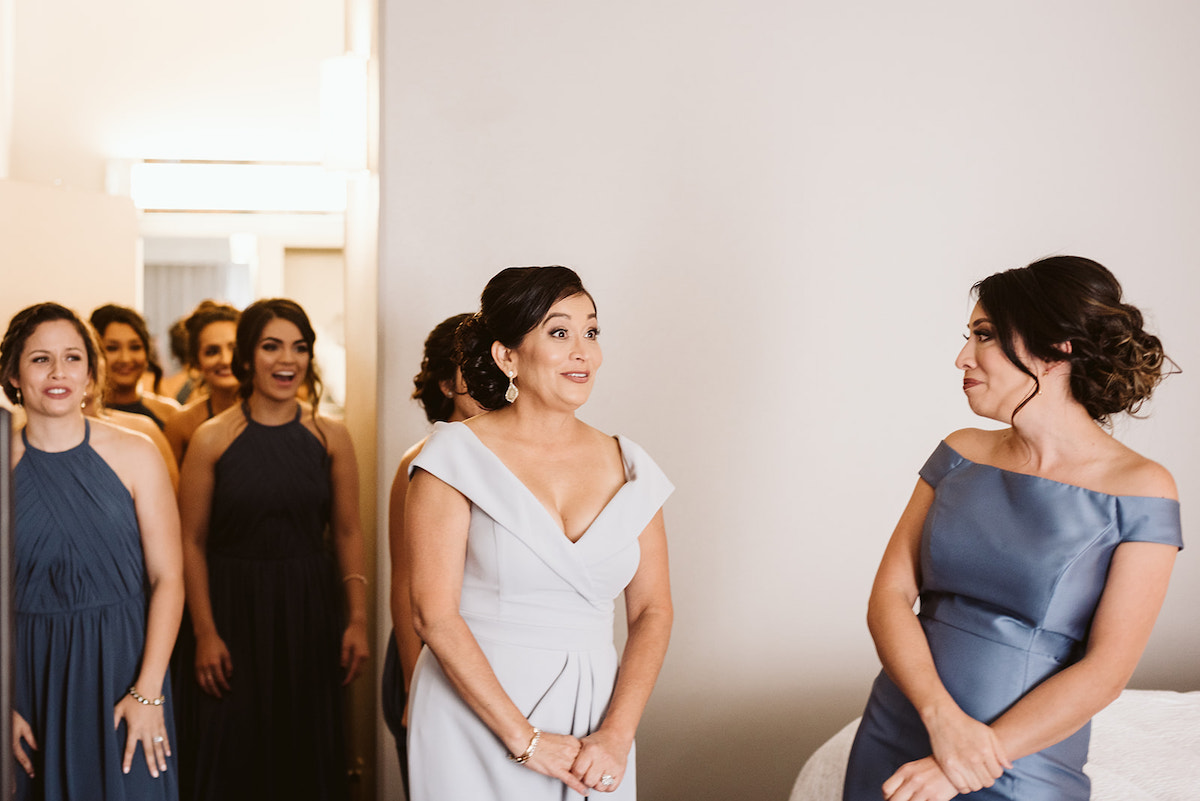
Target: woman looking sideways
98	581
523	525
125	340
440	389
211	349
261	484
1040	554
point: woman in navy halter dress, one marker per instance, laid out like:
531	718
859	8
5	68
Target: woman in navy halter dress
271	644
98	580
1039	554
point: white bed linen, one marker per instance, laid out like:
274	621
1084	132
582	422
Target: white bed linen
1145	747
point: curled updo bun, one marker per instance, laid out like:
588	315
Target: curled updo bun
1115	363
437	368
513	303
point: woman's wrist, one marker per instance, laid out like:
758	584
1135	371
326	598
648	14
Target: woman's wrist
521	757
519	738
622	736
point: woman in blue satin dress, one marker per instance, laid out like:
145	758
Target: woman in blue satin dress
1040	554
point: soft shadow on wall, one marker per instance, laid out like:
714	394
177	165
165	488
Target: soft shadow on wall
738	746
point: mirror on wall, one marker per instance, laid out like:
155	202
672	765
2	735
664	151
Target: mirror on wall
180	271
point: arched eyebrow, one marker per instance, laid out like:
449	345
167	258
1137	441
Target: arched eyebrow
552	315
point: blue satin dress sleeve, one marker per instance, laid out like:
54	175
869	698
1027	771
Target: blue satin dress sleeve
1012	568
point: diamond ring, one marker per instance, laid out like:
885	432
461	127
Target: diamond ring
607	780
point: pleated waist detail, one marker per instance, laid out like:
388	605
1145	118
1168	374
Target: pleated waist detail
135	602
990	624
585	636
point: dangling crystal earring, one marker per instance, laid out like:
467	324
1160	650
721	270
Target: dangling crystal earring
512	392
20	397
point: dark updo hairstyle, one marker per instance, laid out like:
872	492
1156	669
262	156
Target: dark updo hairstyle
22	326
513	303
250	327
437	368
1115	364
204	315
179	341
111	313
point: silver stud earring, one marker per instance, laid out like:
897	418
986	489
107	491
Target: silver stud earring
512	392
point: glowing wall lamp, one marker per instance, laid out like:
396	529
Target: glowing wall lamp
224	186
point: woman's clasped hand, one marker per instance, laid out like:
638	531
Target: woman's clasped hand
593	763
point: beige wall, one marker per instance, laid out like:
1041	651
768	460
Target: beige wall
779	208
74	247
224	79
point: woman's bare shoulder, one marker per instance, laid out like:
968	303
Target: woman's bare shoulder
219	430
1130	473
976	444
119	434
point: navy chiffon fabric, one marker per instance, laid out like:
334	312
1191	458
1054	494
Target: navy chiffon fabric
1012	568
80	627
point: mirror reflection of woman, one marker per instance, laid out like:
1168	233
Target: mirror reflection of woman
524	524
262	483
125	340
211	349
442	393
98	581
1040	554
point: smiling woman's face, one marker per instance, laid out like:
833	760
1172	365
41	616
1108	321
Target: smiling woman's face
126	355
557	361
281	358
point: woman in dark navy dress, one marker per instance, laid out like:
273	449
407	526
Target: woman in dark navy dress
99	587
1040	554
278	621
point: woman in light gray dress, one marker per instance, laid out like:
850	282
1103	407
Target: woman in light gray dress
524	524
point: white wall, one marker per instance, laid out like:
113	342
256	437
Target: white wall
779	208
97	262
225	79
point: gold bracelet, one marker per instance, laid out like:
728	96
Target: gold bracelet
523	758
143	700
355	577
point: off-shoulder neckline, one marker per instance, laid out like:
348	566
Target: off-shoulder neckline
950	448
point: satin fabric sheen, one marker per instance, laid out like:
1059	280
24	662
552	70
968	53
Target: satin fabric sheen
1012	568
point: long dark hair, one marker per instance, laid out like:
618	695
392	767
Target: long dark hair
250	327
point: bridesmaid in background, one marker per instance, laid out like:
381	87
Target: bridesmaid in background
98	580
1040	554
125	340
262	485
94	408
440	390
211	348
